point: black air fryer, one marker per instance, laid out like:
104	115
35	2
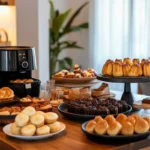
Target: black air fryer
17	62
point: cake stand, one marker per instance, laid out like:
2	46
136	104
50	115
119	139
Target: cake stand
127	94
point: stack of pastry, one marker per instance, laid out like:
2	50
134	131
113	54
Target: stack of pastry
77	73
6	94
22	81
124	125
127	67
30	122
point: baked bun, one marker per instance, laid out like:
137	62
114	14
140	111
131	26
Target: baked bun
134	70
15	129
119	61
28	130
98	119
101	127
59	75
127	128
50	117
131	120
30	111
110	119
39	113
121	118
135	116
37	120
21	120
125	69
127	61
136	60
43	130
117	69
90	127
114	128
147	119
70	75
54	127
146	69
141	126
108	68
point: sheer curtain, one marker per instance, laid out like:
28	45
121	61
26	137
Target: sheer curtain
118	29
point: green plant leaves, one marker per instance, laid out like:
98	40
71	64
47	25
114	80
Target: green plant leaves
68	61
70	45
52	10
58	22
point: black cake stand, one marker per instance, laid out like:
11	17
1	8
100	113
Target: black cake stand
127	94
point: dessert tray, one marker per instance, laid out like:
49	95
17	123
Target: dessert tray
62	108
109	138
7	131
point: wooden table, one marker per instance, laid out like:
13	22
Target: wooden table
71	139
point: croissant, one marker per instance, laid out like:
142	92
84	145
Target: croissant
117	69
119	61
127	60
108	68
134	70
146	69
126	68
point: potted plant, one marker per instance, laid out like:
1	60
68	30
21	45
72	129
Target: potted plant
58	29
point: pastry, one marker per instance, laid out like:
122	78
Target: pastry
127	60
119	61
121	118
77	75
15	129
25	100
30	111
45	106
125	69
141	126
4	113
87	74
127	128
21	120
18	81
37	100
84	93
135	116
136	60
98	119
90	127
74	94
146	69
134	70
117	70
76	66
28	130
37	120
114	128
144	61
15	113
54	127
78	70
110	119
146	100
59	75
101	127
43	130
92	71
65	72
39	113
6	94
70	75
131	119
50	117
147	119
102	90
28	81
108	68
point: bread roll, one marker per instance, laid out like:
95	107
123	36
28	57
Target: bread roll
98	119
30	111
135	116
147	119
28	130
121	118
90	127
101	127
141	126
110	119
50	117
114	128
37	120
54	127
39	113
43	130
15	129
21	120
127	128
131	119
117	70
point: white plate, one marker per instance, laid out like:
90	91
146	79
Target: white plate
7	131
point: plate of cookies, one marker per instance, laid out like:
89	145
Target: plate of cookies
76	76
34	125
123	128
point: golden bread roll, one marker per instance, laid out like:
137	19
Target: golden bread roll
127	60
121	118
76	66
141	126
119	61
127	128
110	119
108	68
101	127
117	70
37	120
125	69
70	75
22	119
134	70
43	130
54	127
28	130
5	113
39	113
9	93
98	119
77	75
114	128
147	119
30	111
131	119
136	60
50	117
146	69
90	127
15	129
135	116
25	100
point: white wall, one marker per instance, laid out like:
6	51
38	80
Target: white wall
32	30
